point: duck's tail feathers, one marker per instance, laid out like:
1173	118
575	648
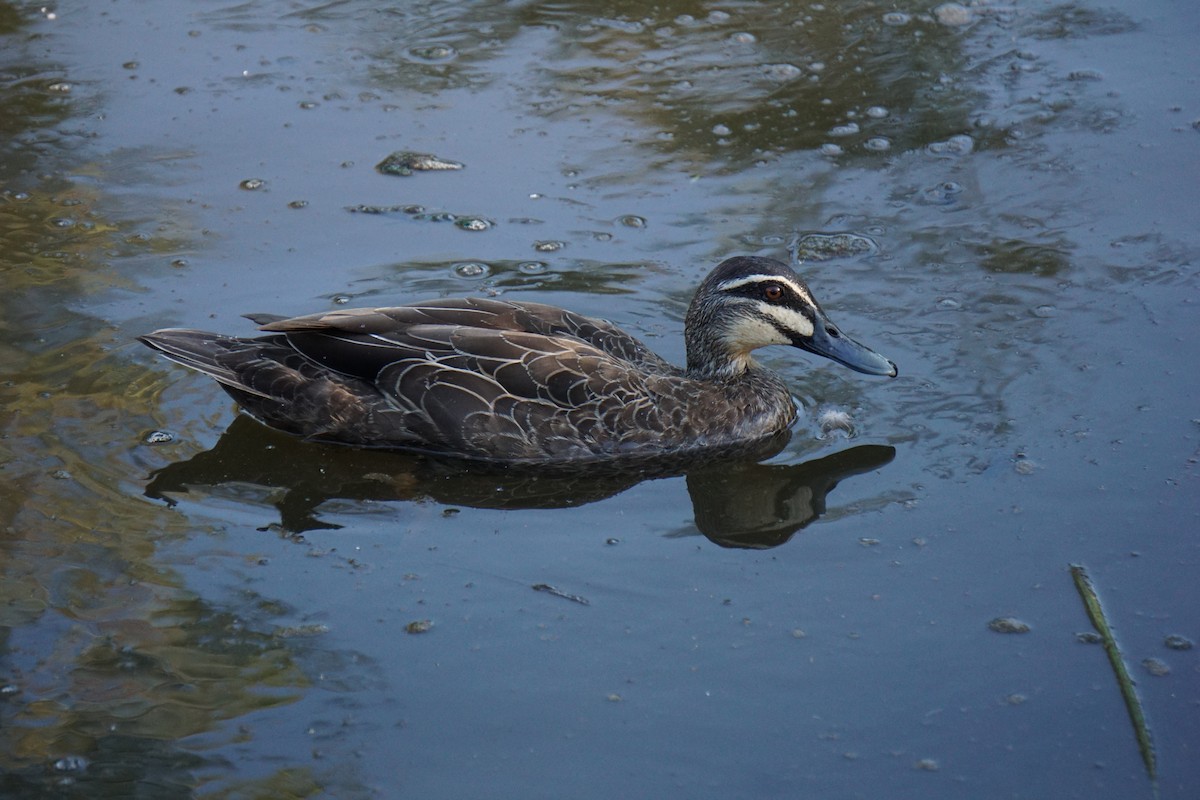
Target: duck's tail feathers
201	351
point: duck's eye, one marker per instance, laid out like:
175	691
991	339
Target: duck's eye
773	292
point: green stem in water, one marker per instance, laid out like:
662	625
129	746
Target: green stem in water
1133	704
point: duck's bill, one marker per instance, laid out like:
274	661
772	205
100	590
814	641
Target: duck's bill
830	342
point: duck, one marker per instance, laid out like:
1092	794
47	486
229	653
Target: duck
512	382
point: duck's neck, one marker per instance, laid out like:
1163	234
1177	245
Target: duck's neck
710	354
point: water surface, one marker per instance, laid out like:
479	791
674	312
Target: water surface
1000	198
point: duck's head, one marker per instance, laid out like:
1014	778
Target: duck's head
749	302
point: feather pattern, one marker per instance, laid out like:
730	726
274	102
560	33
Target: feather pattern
514	382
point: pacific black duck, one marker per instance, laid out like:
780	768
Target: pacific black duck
515	382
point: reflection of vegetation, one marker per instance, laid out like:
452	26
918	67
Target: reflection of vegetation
1015	255
731	85
107	662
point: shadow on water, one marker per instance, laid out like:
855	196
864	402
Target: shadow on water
736	503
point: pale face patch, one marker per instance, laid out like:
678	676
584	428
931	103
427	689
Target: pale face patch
748	333
789	320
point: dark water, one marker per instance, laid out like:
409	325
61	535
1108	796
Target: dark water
1002	198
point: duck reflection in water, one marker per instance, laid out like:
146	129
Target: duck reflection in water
736	503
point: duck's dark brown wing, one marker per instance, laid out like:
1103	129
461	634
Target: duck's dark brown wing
474	312
500	380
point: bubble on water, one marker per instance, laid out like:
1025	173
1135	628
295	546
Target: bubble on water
1177	642
781	72
958	145
831	149
1045	311
62	222
252	184
602	236
961	144
943	194
877	112
721	130
433	52
817	66
743	37
849	129
472	269
896	18
60	475
532	267
718	16
341	299
71	764
305	105
298	204
549	246
131	65
878	144
62	87
158	437
953	15
631	221
948	304
473	223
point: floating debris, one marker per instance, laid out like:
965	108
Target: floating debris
406	162
467	223
418	626
158	437
826	246
1156	667
302	631
1008	625
473	223
835	419
1133	704
252	184
548	589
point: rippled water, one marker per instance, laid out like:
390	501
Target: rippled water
999	197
